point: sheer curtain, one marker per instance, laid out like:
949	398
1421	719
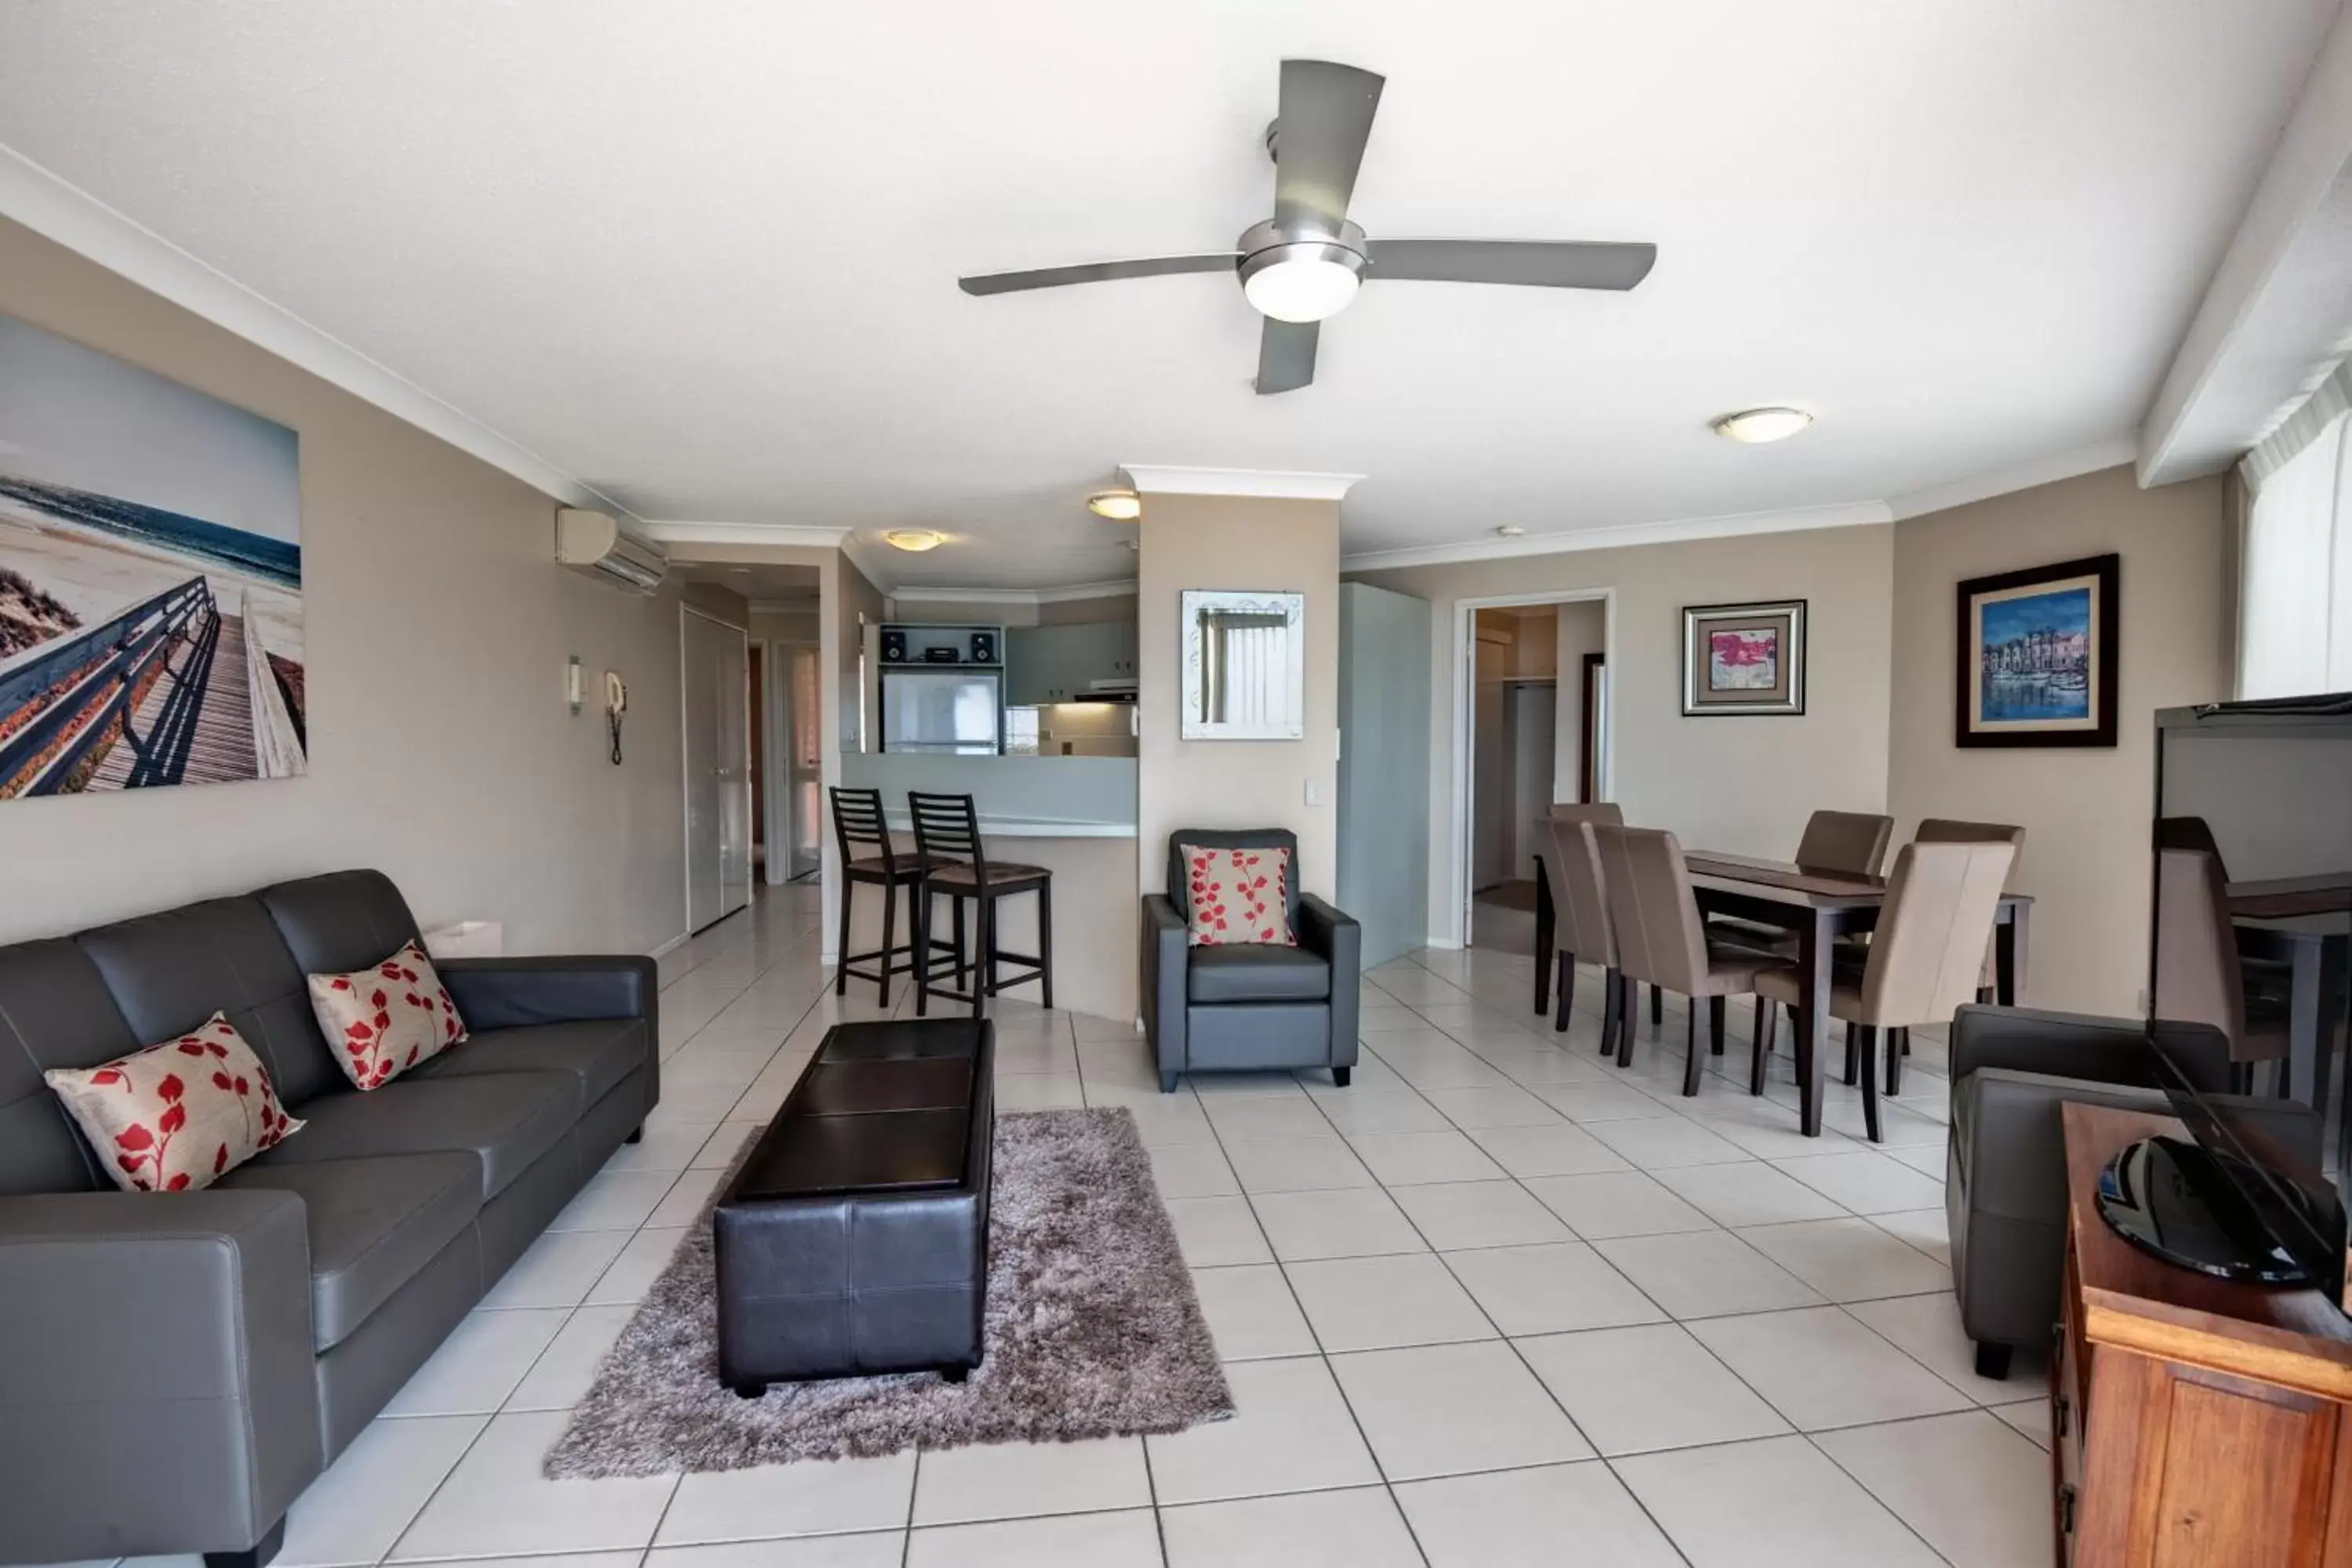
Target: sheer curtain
1249	667
2294	603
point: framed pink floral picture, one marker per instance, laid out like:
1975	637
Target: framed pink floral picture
1744	658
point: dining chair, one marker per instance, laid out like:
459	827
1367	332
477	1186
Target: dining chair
1946	830
1852	841
1662	940
1581	898
2200	978
1923	956
1847	841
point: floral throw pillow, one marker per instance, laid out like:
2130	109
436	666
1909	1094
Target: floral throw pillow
175	1118
1239	896
384	1020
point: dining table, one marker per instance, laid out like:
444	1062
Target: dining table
1819	906
2303	927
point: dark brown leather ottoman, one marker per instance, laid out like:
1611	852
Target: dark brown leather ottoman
854	1240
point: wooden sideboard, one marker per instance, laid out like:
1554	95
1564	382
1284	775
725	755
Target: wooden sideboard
2195	1423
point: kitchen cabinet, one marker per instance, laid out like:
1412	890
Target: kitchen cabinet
1059	663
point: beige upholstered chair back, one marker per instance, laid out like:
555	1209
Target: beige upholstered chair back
1844	841
1929	950
1579	894
1656	920
2198	977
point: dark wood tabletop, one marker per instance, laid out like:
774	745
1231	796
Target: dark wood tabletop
1811	886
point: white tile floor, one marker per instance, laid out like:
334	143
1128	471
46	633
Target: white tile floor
1497	1303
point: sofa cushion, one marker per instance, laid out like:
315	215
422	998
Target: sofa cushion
598	1053
506	1120
374	1224
170	972
1256	972
178	1116
386	1017
54	1013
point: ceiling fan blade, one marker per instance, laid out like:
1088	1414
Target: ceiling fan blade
1319	134
1285	355
1097	272
1542	263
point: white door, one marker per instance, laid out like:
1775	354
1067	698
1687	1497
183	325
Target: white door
714	694
1490	781
803	761
1534	709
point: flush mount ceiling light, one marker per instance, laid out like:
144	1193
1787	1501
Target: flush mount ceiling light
917	539
1119	505
1754	427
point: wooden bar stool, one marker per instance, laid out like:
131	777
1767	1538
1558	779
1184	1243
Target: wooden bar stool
947	837
868	855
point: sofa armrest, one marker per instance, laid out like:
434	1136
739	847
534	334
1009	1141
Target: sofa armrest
1340	941
1166	950
160	1394
502	993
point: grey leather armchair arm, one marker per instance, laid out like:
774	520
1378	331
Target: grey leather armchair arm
1340	941
2005	1161
1165	951
159	1371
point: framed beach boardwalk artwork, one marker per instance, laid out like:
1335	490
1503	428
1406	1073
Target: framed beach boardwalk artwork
151	579
2038	656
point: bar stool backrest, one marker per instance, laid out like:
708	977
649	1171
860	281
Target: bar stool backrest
860	828
947	829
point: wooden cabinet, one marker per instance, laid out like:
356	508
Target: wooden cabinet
1059	663
2194	1423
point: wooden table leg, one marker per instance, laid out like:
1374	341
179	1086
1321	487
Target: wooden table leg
2009	950
1545	915
1816	943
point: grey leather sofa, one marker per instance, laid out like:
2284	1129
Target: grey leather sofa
2005	1159
175	1369
1248	1007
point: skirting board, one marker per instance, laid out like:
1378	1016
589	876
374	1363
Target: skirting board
672	945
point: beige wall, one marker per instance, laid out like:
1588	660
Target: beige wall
1084	612
786	626
436	628
1741	784
1242	543
990	613
1583	628
2087	812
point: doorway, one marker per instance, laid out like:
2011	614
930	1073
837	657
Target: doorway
792	753
1531	731
715	709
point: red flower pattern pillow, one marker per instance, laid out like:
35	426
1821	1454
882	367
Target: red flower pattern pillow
384	1020
1239	896
175	1118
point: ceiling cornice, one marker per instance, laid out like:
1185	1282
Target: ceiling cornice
2108	454
1014	596
1152	479
1853	514
72	218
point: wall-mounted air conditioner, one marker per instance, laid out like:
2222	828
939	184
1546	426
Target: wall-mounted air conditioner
590	542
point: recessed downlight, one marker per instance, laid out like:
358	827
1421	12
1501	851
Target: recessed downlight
917	539
1119	505
1755	427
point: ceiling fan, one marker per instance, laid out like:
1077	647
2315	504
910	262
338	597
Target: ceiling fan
1306	262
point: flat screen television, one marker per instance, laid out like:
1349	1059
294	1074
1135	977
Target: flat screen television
2249	933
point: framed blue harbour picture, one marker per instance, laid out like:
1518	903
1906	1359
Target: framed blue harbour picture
151	579
2038	658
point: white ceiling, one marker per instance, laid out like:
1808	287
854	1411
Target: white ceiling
703	256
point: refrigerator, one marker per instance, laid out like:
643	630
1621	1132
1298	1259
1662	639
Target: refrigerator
953	710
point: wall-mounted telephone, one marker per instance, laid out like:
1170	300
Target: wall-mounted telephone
617	702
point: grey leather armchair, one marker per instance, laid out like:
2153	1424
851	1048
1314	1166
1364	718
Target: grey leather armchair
2005	1160
1248	1007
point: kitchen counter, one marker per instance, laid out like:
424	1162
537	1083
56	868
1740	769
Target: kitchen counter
1074	815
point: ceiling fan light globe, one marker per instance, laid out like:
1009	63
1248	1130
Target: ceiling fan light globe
1306	284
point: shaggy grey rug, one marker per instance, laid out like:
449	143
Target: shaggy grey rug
1092	1332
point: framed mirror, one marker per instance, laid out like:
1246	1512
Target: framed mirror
1244	666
